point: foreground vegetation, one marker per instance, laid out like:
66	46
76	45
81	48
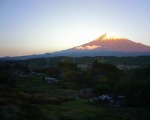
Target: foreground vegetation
34	99
24	95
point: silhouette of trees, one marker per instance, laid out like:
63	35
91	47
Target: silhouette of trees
135	85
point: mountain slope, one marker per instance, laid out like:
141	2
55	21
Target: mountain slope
112	42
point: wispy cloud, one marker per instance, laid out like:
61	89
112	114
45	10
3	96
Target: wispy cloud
88	47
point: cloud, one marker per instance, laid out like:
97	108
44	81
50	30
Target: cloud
88	47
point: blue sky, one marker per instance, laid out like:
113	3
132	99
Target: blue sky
39	26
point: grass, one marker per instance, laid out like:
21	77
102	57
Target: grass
33	84
34	99
82	109
76	109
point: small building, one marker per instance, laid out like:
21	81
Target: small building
105	97
114	101
50	80
128	67
83	66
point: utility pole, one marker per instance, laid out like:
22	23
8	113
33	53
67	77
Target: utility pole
47	59
102	56
73	57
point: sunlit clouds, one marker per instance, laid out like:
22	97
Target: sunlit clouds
88	47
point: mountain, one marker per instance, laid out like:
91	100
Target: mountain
109	44
113	42
24	57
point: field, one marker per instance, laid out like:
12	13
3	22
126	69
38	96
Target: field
32	98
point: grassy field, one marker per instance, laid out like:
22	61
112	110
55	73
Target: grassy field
81	110
31	98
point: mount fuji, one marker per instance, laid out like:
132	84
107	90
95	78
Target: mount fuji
109	44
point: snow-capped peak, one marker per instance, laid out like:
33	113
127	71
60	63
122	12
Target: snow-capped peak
111	36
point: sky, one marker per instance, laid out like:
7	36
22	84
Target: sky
40	26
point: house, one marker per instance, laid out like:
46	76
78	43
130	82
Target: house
122	66
114	101
83	66
50	80
105	97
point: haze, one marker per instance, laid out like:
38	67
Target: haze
39	26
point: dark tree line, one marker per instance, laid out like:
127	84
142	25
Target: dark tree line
9	72
107	79
102	78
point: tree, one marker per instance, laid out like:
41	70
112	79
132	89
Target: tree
102	86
